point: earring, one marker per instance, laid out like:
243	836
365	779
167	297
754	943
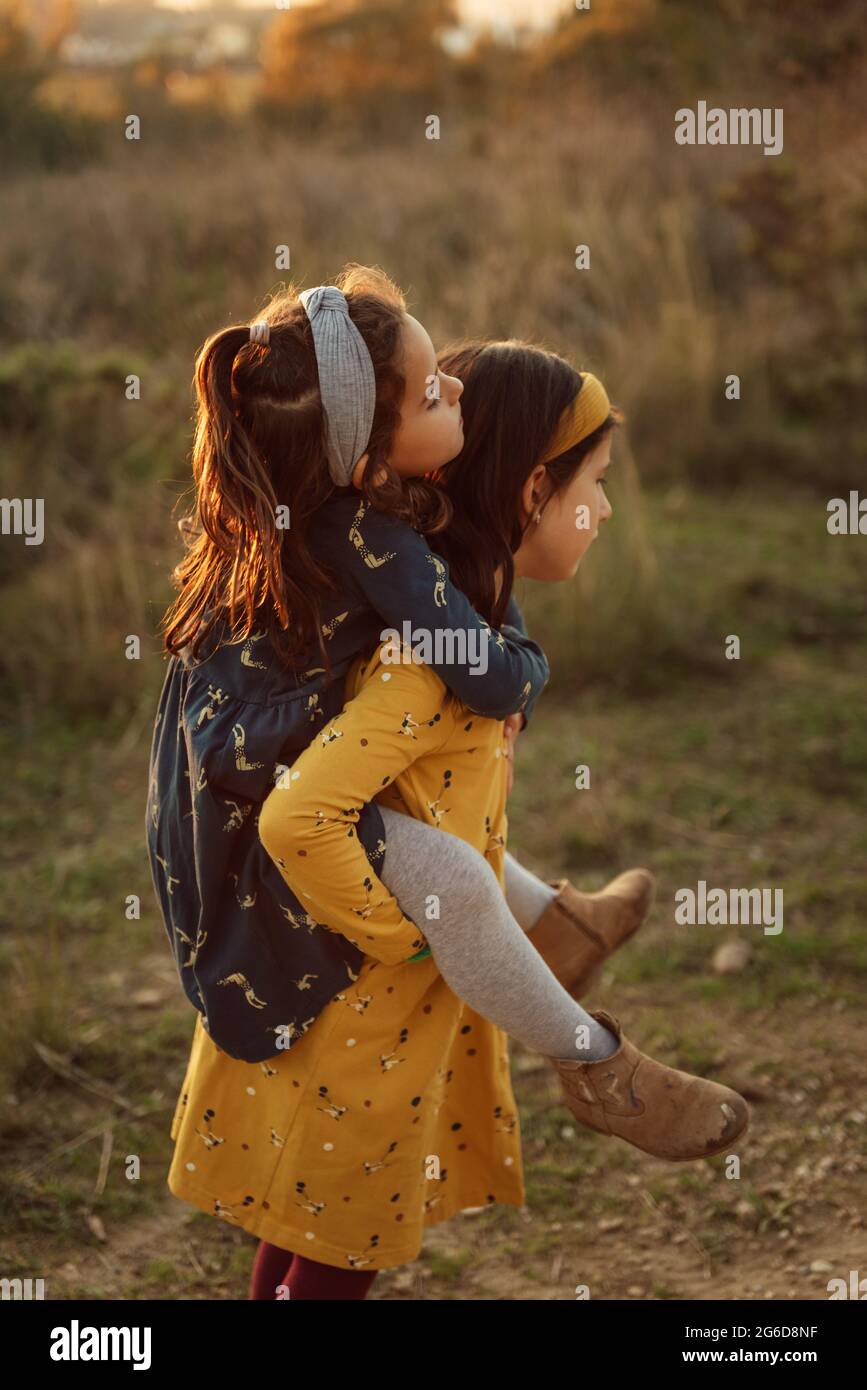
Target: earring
538	517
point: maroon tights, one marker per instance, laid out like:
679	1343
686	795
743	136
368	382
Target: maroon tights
305	1279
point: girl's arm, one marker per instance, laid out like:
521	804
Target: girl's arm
307	823
395	571
514	617
514	626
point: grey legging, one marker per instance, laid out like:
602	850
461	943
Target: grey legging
479	947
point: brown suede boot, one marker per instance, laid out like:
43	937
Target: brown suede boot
579	930
665	1112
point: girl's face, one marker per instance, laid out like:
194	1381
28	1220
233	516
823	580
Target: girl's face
552	549
431	430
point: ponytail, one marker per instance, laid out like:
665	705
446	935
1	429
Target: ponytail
257	445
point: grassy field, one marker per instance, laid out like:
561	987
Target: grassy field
747	773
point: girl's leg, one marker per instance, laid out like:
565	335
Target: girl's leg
308	1280
528	896
269	1270
480	950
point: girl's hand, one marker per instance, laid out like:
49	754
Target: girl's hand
512	726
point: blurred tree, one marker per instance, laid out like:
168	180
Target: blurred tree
676	45
354	51
30	37
48	22
34	29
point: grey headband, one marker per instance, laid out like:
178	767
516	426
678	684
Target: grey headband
346	381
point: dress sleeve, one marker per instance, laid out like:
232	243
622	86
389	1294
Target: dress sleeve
494	673
515	628
514	617
307	822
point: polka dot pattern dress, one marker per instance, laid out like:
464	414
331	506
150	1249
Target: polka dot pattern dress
395	1109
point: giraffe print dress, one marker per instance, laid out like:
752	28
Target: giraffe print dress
232	717
395	1109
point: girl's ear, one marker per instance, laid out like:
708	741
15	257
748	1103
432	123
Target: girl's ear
531	495
358	471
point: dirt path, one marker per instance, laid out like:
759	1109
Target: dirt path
632	1228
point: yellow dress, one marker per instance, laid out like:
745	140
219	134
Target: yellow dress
395	1109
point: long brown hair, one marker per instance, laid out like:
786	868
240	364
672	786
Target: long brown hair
514	394
260	444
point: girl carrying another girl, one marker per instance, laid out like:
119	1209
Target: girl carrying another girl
342	1149
264	629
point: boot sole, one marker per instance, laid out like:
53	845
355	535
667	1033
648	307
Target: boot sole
718	1149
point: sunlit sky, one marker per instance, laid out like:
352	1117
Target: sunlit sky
531	12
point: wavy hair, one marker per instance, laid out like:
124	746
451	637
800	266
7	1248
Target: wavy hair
259	458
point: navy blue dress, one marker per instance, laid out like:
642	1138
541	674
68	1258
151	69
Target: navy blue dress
227	727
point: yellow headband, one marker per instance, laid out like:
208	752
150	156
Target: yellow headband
587	411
